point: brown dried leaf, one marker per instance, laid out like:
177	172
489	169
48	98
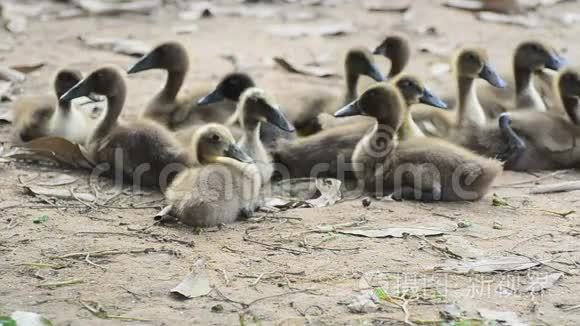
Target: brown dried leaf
399	6
528	21
103	7
489	265
304	192
302	30
304	70
195	284
134	48
502	6
53	149
58	179
28	68
393	232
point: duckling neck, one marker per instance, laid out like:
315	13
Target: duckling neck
172	86
351	83
397	66
572	107
114	108
470	110
251	142
409	129
379	142
526	94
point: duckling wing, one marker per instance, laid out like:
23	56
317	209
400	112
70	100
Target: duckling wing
549	132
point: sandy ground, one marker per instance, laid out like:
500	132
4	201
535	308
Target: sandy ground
277	270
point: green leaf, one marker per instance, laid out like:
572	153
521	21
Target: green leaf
7	321
40	219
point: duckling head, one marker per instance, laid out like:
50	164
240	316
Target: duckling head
359	61
397	50
568	86
414	91
231	87
256	106
31	120
65	79
171	56
213	142
381	101
534	55
107	81
473	63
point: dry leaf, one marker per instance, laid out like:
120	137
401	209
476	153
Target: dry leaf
65	194
6	115
542	282
528	21
301	30
58	179
196	283
393	232
304	192
489	265
246	11
399	6
52	149
28	68
134	48
556	187
103	7
304	70
501	6
504	317
163	213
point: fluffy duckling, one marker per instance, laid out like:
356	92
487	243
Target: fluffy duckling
255	108
329	152
397	50
531	140
223	185
530	58
421	168
142	151
469	64
165	107
41	116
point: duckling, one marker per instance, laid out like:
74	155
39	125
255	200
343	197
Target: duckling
532	140
359	61
254	108
329	152
424	169
39	116
222	185
232	88
165	107
397	50
142	150
470	64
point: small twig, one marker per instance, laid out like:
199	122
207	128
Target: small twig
532	238
74	195
91	263
445	251
258	279
225	275
102	253
557	187
275	247
43	265
135	295
536	179
542	263
58	284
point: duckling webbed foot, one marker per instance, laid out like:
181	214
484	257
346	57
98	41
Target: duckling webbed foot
246	213
515	144
410	193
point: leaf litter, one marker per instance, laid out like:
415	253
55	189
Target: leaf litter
304	193
393	232
195	284
489	265
304	69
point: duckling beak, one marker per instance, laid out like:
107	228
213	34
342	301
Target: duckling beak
145	63
80	89
375	73
430	99
235	152
350	109
276	117
379	50
556	62
491	76
216	96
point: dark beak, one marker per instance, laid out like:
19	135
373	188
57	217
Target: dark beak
216	96
145	63
379	50
555	62
80	89
237	154
350	109
375	73
432	100
277	118
491	76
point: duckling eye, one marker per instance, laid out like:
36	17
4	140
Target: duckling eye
215	138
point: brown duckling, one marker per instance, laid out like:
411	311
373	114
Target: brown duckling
142	151
532	140
329	152
424	169
39	116
255	108
397	50
469	64
165	107
222	185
